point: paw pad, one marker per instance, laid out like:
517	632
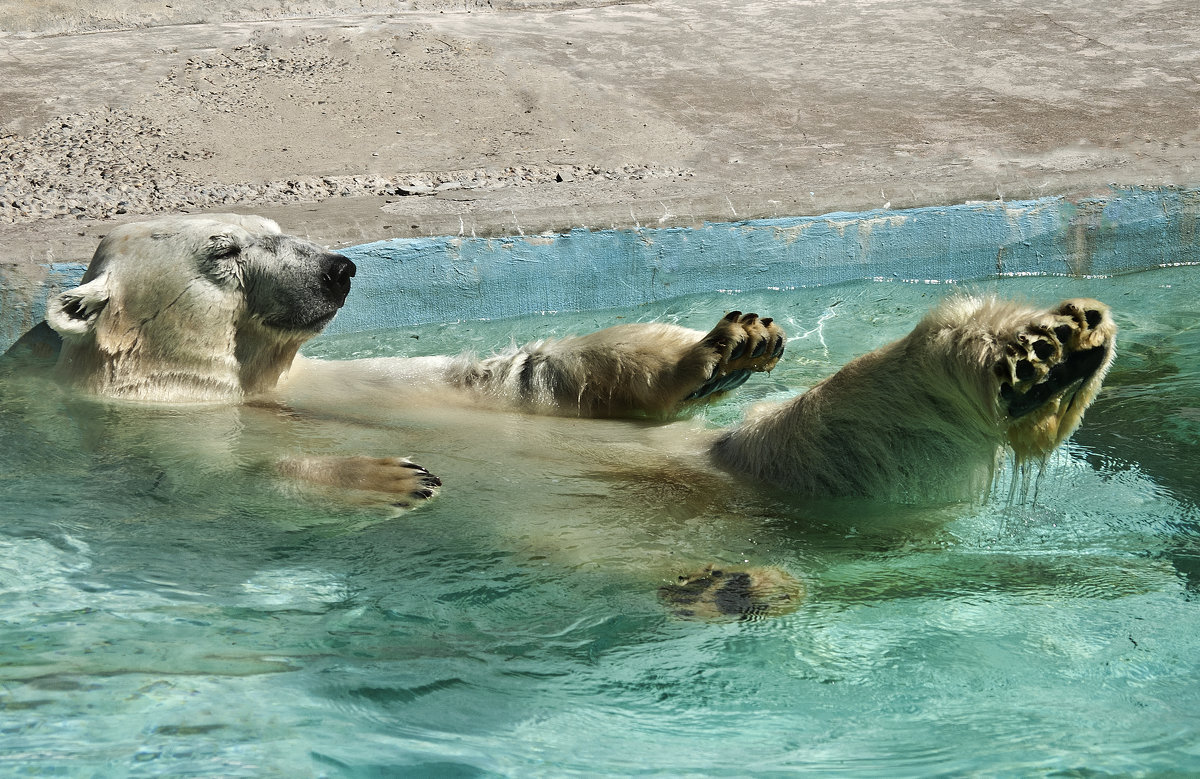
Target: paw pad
1047	356
719	594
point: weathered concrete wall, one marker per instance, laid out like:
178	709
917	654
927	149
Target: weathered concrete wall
416	281
443	279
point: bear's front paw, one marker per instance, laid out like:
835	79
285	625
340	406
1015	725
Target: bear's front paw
1053	354
743	344
401	482
717	594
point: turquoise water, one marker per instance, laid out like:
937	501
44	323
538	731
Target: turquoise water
166	609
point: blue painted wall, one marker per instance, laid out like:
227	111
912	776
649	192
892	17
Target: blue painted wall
416	281
407	281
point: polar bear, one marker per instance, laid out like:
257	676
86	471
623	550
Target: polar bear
213	309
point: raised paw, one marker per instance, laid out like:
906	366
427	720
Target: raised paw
1050	371
742	344
397	480
717	594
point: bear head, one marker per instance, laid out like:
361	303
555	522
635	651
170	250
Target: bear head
195	308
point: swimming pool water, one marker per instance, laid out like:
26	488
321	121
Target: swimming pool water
166	609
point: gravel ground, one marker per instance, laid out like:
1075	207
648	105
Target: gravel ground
354	120
108	163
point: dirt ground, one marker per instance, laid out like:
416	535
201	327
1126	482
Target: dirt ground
356	121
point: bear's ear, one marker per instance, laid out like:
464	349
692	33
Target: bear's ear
221	245
74	311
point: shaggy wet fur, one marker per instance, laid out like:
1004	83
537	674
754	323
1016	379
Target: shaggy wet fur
927	418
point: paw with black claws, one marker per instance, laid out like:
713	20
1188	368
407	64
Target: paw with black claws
1051	369
426	484
397	480
717	594
743	344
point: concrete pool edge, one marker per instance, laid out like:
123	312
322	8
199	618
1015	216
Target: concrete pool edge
411	281
417	281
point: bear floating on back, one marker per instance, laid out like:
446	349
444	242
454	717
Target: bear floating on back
214	309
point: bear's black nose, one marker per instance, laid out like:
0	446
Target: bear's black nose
338	272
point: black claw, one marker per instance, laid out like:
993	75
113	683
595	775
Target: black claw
766	321
749	319
425	493
432	481
733	316
414	466
779	350
759	350
738	351
402	504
